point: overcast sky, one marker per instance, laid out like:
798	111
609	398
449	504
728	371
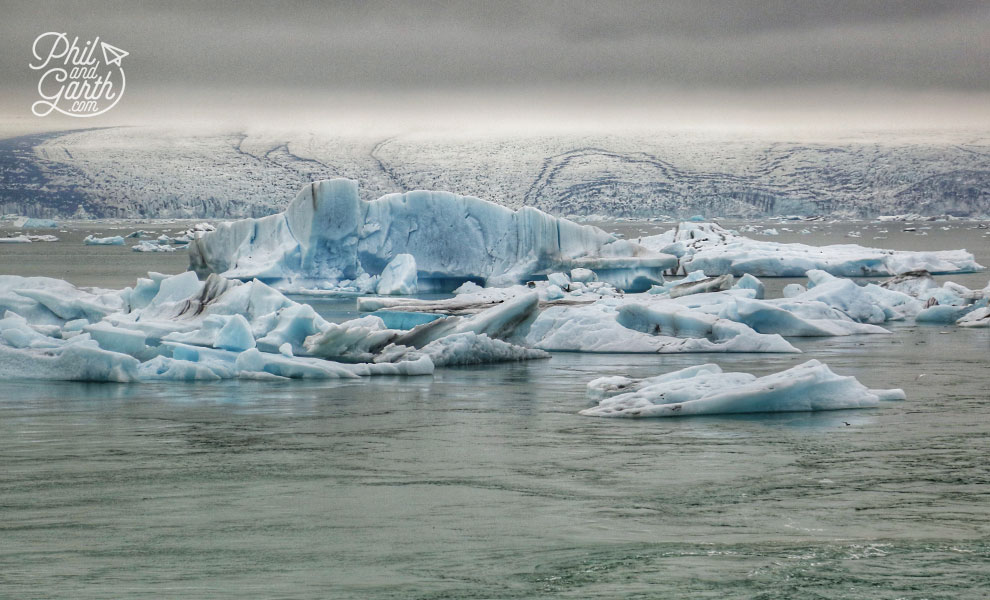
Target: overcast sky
926	58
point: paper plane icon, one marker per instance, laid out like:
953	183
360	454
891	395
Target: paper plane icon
114	52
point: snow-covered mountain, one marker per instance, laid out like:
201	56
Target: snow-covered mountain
144	172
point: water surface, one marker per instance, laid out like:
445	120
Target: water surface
483	482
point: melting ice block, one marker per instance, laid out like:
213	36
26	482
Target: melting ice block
706	390
717	251
328	236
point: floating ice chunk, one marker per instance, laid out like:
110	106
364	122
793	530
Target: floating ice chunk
472	299
748	282
296	368
976	318
596	328
79	359
810	386
165	368
765	317
793	289
53	301
668	319
717	251
16	332
293	325
235	335
227	332
149	246
357	340
327	234
107	241
583	275
666	286
844	295
913	283
709	284
17	239
502	321
35	223
554	292
399	276
944	313
561	280
117	339
605	387
473	348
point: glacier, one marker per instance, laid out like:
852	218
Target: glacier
716	251
706	390
328	237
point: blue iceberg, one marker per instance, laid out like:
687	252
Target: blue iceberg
329	238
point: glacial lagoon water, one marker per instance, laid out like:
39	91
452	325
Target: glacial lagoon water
483	482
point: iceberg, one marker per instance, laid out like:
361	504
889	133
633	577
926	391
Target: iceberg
718	251
601	328
706	390
115	240
33	223
328	237
150	246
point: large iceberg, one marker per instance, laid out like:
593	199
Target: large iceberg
717	251
706	390
329	238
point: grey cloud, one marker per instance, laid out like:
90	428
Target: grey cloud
364	46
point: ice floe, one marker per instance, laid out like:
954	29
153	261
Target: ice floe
707	390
